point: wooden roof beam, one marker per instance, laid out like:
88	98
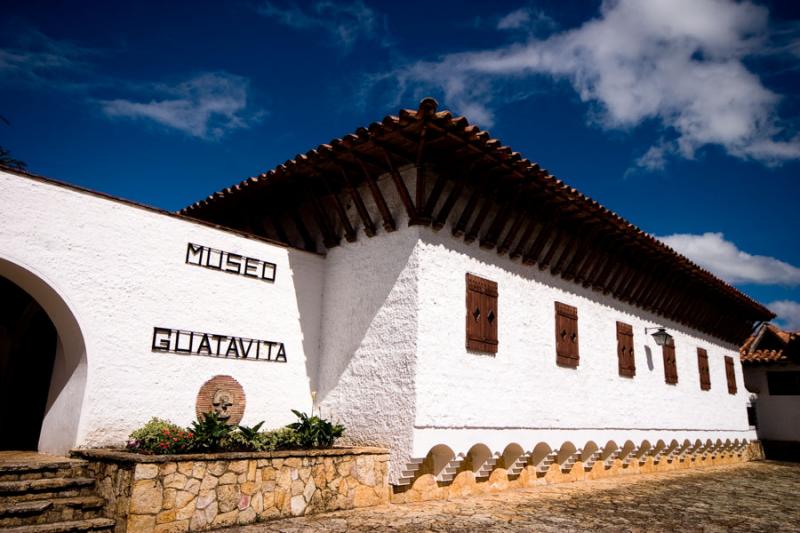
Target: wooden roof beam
523	241
505	246
472	202
539	242
363	213
347	227
377	196
504	211
472	234
402	190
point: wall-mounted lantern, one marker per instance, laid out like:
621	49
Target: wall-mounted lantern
660	335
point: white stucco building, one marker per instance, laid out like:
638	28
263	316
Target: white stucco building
771	361
436	292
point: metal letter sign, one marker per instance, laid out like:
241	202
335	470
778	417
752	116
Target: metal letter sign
199	255
212	345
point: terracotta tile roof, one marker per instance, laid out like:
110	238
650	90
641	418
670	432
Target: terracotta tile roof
771	344
461	140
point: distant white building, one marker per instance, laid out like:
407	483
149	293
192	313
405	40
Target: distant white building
436	292
771	360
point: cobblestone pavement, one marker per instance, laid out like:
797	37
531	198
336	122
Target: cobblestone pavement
757	496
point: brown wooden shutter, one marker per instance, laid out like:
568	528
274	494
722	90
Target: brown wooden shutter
627	363
670	365
481	314
731	374
702	365
567	353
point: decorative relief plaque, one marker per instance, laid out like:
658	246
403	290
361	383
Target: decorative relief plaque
224	396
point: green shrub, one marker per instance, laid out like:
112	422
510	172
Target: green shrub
160	436
210	434
280	439
315	432
245	438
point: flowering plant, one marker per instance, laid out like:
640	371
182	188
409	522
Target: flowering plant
161	437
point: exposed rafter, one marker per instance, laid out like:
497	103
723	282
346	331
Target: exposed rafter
484	191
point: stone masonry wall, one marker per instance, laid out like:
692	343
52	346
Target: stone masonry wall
199	492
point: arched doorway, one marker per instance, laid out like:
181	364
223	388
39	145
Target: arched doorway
28	342
43	363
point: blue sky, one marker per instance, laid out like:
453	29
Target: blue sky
681	115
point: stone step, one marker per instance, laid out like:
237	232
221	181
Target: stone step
40	489
27	471
39	485
50	510
92	524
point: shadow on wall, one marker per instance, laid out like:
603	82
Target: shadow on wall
61	424
357	286
308	292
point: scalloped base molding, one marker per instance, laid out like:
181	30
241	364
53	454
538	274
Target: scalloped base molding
427	486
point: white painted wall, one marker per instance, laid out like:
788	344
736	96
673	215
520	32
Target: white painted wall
369	332
377	328
778	416
521	395
120	270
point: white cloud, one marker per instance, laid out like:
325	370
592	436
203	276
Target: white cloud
722	257
344	22
678	62
527	19
37	59
788	314
207	106
515	19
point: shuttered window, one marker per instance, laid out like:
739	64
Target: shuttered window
670	366
702	365
627	363
567	353
730	373
481	314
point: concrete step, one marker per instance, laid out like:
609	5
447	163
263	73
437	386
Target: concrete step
92	524
405	480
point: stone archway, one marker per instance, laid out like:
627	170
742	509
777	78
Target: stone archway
42	364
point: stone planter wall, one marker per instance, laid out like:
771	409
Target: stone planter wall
197	492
